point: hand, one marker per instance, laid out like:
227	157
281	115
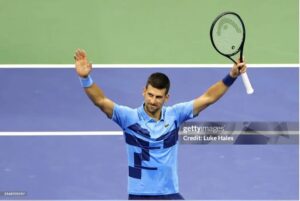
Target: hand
82	65
238	68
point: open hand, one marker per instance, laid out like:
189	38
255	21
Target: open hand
82	65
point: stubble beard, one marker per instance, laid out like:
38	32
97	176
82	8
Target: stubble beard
151	109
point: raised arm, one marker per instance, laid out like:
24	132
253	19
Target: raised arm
216	91
95	93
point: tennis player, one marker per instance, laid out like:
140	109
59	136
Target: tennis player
151	130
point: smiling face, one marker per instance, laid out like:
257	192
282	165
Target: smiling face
154	100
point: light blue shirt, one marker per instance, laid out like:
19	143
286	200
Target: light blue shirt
152	147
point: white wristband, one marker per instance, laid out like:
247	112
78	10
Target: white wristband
86	82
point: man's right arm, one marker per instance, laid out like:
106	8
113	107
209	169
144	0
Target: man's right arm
94	92
100	100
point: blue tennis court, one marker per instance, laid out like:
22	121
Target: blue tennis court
95	167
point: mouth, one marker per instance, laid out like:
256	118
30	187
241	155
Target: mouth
152	108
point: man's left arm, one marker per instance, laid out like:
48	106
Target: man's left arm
216	91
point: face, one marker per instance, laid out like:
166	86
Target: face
154	99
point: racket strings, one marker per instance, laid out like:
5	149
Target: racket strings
227	34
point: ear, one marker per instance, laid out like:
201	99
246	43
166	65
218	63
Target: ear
144	91
167	97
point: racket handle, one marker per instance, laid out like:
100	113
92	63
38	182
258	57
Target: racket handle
247	83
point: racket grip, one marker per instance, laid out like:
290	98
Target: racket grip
247	83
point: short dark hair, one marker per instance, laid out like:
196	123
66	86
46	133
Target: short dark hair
159	80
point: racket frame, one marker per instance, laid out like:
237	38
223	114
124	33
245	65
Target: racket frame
241	47
245	78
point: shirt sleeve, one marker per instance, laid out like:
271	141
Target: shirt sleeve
184	111
122	114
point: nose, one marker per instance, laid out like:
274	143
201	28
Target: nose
152	100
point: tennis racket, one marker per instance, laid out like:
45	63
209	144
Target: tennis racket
228	34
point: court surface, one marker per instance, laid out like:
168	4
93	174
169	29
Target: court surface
95	166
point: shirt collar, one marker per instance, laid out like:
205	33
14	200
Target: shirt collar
147	118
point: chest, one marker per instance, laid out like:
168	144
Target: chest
158	129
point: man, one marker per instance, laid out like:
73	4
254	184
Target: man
151	130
